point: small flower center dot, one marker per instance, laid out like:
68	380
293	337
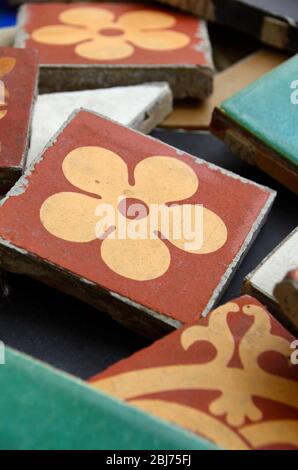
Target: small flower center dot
111	32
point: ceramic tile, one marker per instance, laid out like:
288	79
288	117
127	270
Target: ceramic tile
117	44
140	107
227	377
16	104
273	270
259	123
140	229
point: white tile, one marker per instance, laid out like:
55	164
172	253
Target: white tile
275	267
140	107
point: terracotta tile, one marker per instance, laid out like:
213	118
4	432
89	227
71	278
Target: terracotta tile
18	82
51	224
274	270
259	123
227	377
174	46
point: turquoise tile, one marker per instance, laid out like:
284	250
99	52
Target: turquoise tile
265	108
42	408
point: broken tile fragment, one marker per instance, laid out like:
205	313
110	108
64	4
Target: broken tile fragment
140	107
273	271
259	124
137	228
133	44
227	378
16	106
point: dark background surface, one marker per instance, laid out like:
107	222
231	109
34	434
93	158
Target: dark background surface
81	340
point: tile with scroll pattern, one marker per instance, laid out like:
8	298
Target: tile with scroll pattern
227	377
16	104
107	44
274	22
259	123
129	224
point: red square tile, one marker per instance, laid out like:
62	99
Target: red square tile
115	44
156	269
18	81
230	378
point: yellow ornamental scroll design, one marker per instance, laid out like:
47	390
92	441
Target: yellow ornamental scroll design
7	64
238	386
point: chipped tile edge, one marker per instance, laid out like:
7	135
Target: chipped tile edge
48	265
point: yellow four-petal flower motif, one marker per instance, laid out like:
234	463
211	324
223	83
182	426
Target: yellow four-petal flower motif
159	180
98	35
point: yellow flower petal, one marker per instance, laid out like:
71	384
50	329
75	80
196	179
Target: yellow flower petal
105	48
60	35
185	231
164	179
70	216
146	19
140	260
7	64
158	40
90	17
96	170
2	114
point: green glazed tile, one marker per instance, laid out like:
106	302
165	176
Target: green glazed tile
266	110
42	408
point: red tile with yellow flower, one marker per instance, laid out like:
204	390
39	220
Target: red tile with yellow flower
135	227
117	44
18	81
